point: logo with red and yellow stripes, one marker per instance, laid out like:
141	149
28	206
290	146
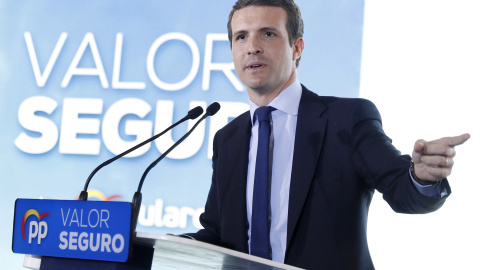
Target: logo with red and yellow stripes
36	229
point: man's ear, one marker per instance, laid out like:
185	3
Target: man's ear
298	46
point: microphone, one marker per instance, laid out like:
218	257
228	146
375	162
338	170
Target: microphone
212	109
192	114
137	197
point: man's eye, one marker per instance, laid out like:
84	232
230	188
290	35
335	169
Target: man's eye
269	34
241	37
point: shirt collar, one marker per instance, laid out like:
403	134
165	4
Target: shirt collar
287	101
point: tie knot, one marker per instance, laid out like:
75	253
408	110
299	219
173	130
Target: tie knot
263	113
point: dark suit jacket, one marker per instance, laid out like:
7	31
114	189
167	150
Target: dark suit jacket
341	155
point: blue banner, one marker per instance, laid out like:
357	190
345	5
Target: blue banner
72	229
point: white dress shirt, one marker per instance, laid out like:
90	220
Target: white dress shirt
284	124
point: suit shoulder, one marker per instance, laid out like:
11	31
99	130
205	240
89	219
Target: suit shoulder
341	106
347	101
335	101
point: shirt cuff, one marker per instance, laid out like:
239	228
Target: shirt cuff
432	190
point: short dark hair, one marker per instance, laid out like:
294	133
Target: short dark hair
294	17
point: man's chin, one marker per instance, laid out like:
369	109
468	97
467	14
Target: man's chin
260	89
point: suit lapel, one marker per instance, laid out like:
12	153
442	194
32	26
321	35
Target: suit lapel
238	146
236	166
308	144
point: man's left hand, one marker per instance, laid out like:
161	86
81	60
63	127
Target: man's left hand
433	160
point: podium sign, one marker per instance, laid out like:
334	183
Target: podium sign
93	230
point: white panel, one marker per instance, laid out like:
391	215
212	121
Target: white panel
421	67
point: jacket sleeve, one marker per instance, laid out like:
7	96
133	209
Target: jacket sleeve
383	167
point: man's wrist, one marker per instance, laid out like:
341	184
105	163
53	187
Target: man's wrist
421	182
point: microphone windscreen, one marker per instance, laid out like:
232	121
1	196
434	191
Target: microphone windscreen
213	108
195	112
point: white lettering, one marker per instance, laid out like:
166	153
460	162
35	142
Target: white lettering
92	246
174	217
42	231
164	119
72	241
151	61
72	125
116	83
158	212
74	218
33	231
184	213
98	69
142	130
171	217
104	218
88	40
145	219
106	240
119	248
98	218
63	239
93	241
226	68
64	219
81	219
29	120
83	241
40	78
75	123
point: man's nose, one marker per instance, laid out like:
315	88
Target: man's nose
254	46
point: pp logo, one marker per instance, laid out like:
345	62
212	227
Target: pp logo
35	229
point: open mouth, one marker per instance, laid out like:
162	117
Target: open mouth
255	66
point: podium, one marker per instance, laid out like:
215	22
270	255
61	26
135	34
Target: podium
173	252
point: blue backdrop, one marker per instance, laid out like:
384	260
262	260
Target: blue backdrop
81	81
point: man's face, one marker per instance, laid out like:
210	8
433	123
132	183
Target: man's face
264	60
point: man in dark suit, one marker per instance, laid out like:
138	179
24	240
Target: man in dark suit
327	155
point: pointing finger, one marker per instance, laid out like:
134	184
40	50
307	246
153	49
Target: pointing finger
457	140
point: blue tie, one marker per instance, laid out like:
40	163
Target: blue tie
260	227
